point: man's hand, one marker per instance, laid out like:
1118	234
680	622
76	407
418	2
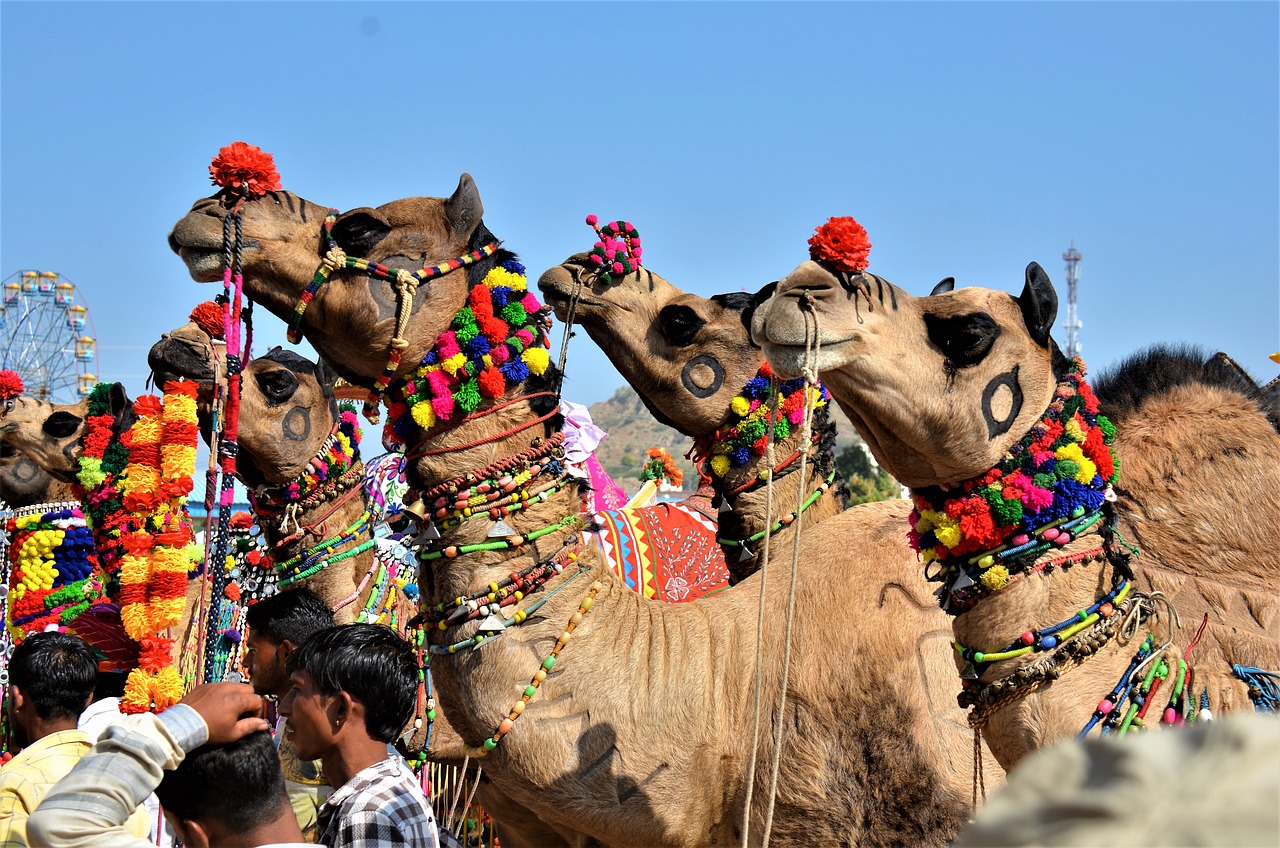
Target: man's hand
231	710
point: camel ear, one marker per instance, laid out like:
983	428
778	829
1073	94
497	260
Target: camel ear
944	286
358	232
1039	304
464	210
118	399
326	376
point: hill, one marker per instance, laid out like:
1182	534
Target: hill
633	430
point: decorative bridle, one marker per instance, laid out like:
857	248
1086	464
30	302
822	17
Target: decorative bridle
405	284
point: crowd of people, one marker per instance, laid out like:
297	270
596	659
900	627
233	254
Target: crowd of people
223	774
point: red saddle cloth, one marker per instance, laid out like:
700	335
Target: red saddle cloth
666	551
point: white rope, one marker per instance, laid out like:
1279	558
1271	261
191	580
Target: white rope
810	381
461	781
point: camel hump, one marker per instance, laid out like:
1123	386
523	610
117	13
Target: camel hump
1157	370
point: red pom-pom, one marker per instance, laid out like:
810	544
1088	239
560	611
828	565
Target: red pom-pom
241	521
208	317
841	242
492	383
10	385
245	169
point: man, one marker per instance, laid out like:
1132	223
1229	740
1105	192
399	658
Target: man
277	626
208	758
352	690
51	680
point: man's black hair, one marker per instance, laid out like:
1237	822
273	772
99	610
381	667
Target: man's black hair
239	785
294	614
56	671
372	664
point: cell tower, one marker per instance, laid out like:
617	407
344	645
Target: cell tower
1072	325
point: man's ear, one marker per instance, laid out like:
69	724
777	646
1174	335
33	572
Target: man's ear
287	647
190	832
16	699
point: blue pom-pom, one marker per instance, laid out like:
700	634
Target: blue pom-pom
410	591
513	266
501	295
477	346
515	370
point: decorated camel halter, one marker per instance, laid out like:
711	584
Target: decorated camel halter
405	284
245	172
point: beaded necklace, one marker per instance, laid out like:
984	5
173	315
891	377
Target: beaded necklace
784	521
496	340
734	444
993	525
317	558
517	709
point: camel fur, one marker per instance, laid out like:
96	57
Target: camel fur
641	734
941	386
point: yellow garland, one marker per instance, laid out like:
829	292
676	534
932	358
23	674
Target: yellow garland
162	565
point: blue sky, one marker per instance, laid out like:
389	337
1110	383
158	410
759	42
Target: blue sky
969	138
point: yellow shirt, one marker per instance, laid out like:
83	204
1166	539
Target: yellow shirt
26	779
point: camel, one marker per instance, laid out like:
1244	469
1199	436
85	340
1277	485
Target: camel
687	357
943	389
589	749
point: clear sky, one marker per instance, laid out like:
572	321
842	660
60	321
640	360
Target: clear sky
969	139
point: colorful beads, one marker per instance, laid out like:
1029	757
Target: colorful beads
539	677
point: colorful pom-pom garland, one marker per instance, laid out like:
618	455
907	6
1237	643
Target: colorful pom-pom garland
1062	469
135	487
497	340
617	252
747	434
54	573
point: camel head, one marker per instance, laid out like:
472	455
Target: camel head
287	405
939	386
287	411
352	316
50	434
685	355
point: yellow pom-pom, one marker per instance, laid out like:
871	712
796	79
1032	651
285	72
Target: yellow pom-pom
995	578
537	359
423	415
739	406
1073	429
720	465
453	363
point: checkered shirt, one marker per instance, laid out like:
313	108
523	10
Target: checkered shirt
381	807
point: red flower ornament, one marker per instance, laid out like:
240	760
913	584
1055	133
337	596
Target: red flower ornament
245	169
841	242
208	317
10	385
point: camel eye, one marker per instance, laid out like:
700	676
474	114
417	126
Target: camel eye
278	385
963	339
60	425
679	324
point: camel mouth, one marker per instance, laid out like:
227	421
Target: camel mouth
172	360
203	254
791	360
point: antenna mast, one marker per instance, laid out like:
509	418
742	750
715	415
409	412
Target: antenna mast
1072	326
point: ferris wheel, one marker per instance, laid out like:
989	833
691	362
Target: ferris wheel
46	336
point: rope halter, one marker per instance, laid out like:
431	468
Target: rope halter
405	284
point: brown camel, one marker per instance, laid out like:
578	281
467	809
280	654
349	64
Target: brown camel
688	357
640	732
943	387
